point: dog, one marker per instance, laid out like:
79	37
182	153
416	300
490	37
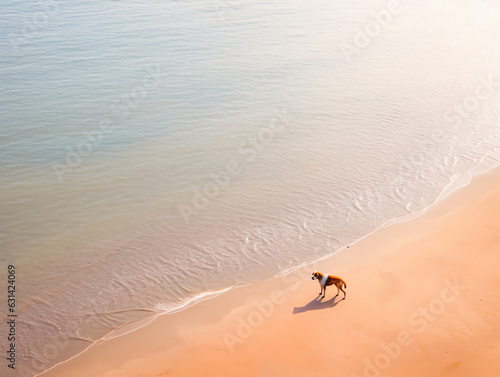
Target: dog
325	280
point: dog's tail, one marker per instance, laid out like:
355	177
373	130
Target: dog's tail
345	285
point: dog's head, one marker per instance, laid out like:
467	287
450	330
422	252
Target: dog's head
316	275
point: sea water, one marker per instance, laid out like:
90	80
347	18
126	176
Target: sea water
155	153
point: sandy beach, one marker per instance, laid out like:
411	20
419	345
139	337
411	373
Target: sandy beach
422	300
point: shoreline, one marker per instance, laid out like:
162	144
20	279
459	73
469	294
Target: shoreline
283	287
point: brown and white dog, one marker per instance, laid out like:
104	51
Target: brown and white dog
326	280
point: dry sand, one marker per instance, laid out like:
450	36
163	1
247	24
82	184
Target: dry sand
423	299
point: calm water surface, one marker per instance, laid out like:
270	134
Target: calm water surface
154	152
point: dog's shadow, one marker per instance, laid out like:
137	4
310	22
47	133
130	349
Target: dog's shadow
317	304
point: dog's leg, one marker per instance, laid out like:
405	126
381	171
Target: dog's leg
342	291
324	291
337	291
